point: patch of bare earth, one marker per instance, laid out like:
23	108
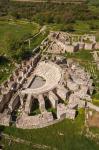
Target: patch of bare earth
93	120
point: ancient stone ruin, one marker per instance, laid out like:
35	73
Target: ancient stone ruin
44	90
61	42
39	81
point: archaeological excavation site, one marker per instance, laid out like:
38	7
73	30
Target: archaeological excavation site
48	87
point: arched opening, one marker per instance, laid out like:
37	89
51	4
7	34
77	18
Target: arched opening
47	103
16	111
35	108
49	107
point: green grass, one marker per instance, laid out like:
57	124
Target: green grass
95	130
65	135
12	33
78	27
81	26
96	102
82	55
10	145
37	41
57	27
8	64
35	112
96	96
17	30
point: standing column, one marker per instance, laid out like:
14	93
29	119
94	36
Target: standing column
21	99
53	99
41	103
28	104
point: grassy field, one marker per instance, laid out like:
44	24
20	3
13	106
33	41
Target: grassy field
17	30
66	135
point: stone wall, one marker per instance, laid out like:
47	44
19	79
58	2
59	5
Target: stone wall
61	42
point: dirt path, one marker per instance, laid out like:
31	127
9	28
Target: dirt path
19	140
88	133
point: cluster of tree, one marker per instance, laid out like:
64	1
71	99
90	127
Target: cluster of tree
51	13
93	2
4	5
48	12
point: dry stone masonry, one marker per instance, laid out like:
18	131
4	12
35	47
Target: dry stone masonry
61	42
42	84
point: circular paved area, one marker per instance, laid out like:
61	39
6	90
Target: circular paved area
51	74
